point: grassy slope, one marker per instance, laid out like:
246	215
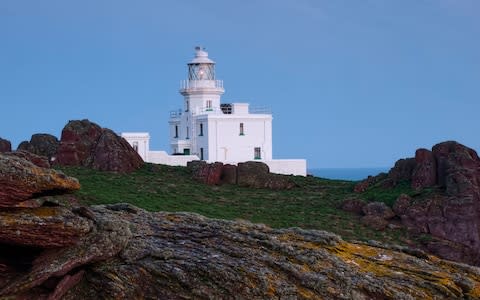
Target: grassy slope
313	205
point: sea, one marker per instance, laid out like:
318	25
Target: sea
353	174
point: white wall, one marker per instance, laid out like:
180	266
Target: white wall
161	157
288	166
142	139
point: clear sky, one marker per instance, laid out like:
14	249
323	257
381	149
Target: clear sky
350	83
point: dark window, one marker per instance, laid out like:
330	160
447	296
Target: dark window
187	134
187	105
135	146
186	151
176	131
201	153
257	153
241	129
201	129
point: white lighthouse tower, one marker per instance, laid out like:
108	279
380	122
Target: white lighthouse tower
207	129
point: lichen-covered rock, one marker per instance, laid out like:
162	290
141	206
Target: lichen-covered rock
84	143
42	144
133	254
21	180
375	222
39	161
44	227
5	146
401	205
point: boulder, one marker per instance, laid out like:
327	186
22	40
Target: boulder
113	153
39	161
21	180
257	175
353	205
77	143
425	171
5	146
229	174
41	144
134	254
378	209
84	143
207	173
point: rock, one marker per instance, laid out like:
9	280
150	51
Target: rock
363	185
5	146
229	174
20	180
401	205
44	227
402	171
425	171
113	153
207	173
378	209
353	205
77	143
84	143
39	161
257	175
41	144
133	254
375	222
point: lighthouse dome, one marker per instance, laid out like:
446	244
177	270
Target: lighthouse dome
201	57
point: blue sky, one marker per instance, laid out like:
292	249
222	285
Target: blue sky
350	83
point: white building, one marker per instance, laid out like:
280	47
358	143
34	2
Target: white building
209	130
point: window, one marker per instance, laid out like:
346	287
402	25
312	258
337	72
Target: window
201	129
186	151
187	134
201	153
176	131
257	153
209	105
187	105
135	146
241	129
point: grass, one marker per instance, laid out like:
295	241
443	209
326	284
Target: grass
312	205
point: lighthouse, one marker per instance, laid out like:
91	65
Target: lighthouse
209	129
212	130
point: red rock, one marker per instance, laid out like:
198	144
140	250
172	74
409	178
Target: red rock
5	145
207	173
257	175
229	174
77	142
402	171
65	285
425	171
84	143
401	205
113	153
20	180
41	144
44	227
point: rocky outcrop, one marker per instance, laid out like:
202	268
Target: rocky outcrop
353	205
5	145
84	143
41	144
378	209
248	174
450	212
134	254
21	180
